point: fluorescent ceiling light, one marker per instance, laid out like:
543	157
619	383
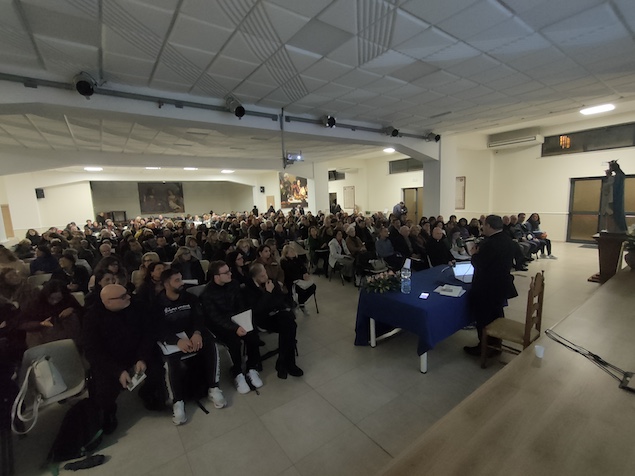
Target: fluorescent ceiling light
153	168
190	168
93	169
597	109
389	150
227	171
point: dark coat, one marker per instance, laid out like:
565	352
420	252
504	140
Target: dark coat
492	284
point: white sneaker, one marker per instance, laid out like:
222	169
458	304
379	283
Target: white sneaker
215	394
254	378
178	413
552	257
241	384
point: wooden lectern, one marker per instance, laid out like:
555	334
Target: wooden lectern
609	251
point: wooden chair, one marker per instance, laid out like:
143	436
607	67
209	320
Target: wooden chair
522	333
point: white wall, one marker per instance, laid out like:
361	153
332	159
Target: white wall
199	197
63	204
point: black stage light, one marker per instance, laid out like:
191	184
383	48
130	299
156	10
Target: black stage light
329	121
85	84
235	107
391	131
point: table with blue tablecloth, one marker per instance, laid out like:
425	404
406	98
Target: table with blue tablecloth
432	319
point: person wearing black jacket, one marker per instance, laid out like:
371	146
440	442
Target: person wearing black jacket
181	324
492	284
119	344
222	298
272	311
75	277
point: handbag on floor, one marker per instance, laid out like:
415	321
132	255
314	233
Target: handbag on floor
48	383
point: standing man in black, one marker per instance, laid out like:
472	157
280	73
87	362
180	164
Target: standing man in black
492	284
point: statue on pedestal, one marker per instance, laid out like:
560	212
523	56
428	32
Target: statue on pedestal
612	201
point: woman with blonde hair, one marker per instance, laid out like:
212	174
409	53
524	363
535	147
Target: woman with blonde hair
189	267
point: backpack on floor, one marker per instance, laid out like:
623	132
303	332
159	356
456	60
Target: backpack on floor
79	434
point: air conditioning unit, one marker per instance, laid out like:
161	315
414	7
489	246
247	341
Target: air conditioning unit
515	142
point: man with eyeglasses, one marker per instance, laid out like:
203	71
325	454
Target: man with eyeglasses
221	299
181	324
119	343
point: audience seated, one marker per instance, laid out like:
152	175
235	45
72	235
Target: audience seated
75	277
272	311
341	256
236	263
266	258
295	272
386	251
189	267
103	277
181	323
151	286
146	260
222	299
55	315
120	343
44	262
533	227
438	248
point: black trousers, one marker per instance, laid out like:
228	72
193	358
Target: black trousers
233	343
282	322
207	358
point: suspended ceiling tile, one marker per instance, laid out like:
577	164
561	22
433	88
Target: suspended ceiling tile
549	12
435	11
224	81
308	8
301	59
284	22
503	82
453	56
536	60
199	58
388	62
426	43
140	16
473	66
626	11
577	28
435	79
232	68
414	71
405	91
474	19
62	55
45	22
456	86
210	12
505	33
194	33
341	14
406	26
115	43
127	65
347	53
18	62
473	93
357	78
89	9
523	88
333	90
385	85
251	89
125	79
327	70
499	73
319	37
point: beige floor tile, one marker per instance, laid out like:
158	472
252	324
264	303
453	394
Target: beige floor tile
180	466
396	425
351	453
322	365
356	394
246	450
276	392
202	428
305	424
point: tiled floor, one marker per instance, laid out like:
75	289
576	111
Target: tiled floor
354	410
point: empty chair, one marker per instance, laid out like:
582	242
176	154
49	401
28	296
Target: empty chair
522	333
66	358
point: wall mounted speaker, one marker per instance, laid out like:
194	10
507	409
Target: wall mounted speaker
39	192
262	189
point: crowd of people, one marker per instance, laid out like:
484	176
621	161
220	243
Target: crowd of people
133	279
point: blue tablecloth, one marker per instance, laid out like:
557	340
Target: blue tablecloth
432	319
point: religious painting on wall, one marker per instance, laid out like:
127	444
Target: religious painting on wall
161	197
293	191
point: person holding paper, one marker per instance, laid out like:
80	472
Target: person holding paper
181	324
272	311
492	284
119	343
222	299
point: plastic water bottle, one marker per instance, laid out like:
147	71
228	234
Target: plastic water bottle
406	284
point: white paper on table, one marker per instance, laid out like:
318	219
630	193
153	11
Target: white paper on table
449	290
169	349
244	320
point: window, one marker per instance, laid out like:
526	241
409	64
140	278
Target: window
404	165
335	175
610	137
